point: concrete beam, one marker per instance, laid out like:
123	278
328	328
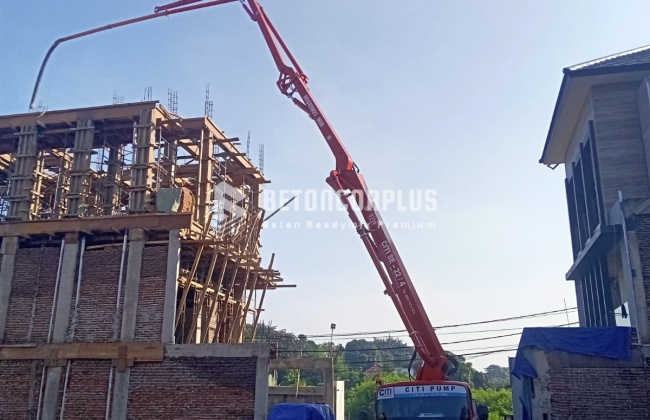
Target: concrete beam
321	363
217	350
154	221
8	252
171	286
132	284
66	288
302	390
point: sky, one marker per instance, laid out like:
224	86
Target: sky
450	99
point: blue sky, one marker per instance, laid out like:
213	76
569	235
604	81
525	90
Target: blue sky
451	96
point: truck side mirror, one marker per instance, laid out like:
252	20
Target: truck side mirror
482	412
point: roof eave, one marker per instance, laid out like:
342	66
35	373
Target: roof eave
558	102
572	74
606	70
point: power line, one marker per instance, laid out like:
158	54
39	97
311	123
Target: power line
535	315
448	332
411	347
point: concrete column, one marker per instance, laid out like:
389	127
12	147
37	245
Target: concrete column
8	252
640	307
61	322
131	292
66	288
582	319
121	394
171	286
261	388
132	283
51	394
328	374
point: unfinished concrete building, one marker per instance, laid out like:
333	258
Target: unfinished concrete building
600	132
130	261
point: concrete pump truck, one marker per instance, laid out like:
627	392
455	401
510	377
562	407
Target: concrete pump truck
430	394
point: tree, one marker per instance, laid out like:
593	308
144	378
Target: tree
499	402
361	398
498	376
350	375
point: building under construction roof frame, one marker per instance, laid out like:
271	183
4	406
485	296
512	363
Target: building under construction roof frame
101	172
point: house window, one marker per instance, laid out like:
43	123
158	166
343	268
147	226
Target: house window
583	197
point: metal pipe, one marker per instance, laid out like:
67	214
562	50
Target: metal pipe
79	277
108	394
56	291
119	286
111	26
65	388
115	334
68	367
49	331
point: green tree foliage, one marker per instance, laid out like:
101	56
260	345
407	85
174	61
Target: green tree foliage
350	375
362	397
499	401
288	346
466	373
498	376
388	353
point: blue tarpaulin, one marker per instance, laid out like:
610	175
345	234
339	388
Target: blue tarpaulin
610	342
289	411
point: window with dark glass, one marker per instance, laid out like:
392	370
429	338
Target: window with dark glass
583	199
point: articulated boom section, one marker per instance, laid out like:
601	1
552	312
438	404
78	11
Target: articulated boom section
347	181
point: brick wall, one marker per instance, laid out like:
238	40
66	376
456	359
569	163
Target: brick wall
151	297
187	388
95	316
642	225
19	380
94	319
203	388
178	387
30	302
599	393
87	389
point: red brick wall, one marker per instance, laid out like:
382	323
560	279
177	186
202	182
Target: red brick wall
151	297
98	294
201	388
87	389
30	302
599	393
187	388
32	290
15	387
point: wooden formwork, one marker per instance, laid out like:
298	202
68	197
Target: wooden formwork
104	170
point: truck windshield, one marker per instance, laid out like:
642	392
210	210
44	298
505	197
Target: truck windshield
416	408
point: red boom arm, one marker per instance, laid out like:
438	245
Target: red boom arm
347	181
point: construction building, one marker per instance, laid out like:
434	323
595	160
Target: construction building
131	281
600	133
